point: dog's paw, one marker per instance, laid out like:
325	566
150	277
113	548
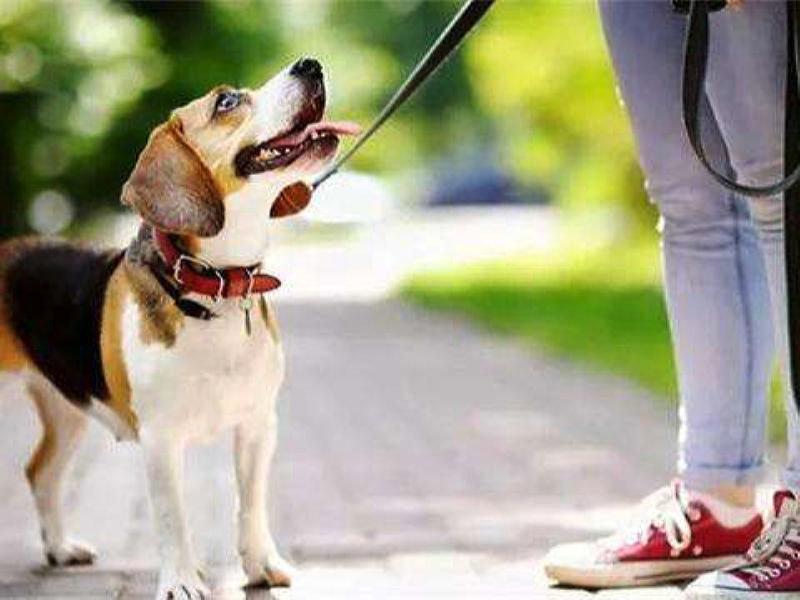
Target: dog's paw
69	553
270	571
182	586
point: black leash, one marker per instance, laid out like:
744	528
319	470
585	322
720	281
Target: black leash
791	198
296	196
694	75
448	41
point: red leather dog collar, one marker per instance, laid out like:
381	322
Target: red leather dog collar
197	276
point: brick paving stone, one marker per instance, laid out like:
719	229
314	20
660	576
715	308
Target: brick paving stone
419	458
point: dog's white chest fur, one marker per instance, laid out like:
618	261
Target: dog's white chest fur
213	377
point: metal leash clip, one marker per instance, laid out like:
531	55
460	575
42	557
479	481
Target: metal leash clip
246	302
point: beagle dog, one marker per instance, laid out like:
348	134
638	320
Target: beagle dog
171	340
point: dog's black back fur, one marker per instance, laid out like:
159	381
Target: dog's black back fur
54	296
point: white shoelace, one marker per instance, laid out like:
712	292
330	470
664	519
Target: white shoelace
767	557
668	510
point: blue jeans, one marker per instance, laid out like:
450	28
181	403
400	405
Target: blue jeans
722	254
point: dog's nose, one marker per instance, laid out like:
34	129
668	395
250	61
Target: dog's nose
306	67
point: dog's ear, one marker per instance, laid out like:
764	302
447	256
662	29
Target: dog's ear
172	188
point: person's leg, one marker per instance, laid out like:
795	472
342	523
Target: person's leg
746	89
746	84
715	282
718	305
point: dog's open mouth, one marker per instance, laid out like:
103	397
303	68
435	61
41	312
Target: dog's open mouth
286	148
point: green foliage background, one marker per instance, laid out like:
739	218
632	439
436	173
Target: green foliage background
83	82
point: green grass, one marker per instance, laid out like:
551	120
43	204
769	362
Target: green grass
599	306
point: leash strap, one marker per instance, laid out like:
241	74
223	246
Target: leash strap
448	41
791	198
694	75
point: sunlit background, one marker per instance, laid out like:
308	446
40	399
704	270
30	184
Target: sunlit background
501	209
517	148
525	114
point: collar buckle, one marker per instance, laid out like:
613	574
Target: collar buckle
176	273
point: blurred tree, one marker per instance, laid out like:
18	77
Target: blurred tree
541	71
67	72
83	83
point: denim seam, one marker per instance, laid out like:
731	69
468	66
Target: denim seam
748	322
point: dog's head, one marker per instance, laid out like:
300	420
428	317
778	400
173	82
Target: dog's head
230	141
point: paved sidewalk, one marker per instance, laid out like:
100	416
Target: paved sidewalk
419	459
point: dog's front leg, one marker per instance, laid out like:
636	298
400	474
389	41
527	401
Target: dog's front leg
254	446
179	578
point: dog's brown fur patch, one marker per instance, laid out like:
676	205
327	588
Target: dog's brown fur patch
227	180
217	138
116	373
161	319
172	187
12	352
12	355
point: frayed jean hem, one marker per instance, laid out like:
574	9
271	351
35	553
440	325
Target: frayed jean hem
705	478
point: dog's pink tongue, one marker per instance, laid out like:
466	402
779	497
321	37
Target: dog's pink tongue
321	127
335	127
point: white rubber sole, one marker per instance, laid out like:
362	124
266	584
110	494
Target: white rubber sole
717	593
633	574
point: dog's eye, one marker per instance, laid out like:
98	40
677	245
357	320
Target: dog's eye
227	101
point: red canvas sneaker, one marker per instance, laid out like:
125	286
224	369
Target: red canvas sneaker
679	535
771	568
